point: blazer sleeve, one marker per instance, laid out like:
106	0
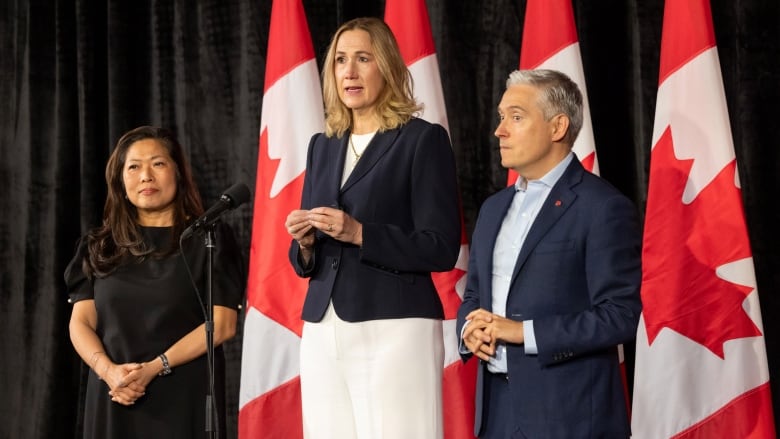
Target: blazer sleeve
612	259
470	299
432	243
294	251
478	282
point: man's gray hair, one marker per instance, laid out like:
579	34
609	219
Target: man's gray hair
558	95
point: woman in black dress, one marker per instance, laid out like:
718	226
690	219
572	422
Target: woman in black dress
137	319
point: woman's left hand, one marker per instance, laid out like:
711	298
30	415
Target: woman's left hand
121	379
133	385
337	224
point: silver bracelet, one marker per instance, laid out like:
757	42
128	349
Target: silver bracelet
166	367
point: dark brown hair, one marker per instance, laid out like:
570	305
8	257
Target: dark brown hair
119	237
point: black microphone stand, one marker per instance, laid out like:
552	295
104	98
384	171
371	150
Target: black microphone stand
233	197
210	243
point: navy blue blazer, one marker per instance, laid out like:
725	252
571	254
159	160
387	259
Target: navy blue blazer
577	277
404	191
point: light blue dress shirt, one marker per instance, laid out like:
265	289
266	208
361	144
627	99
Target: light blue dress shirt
528	201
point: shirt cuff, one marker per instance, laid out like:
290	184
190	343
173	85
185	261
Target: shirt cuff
462	346
529	337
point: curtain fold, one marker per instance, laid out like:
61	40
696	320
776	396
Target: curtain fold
75	75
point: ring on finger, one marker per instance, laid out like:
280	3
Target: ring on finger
330	227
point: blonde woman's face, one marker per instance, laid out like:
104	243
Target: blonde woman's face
359	81
149	176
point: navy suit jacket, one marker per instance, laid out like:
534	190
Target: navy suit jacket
577	277
404	192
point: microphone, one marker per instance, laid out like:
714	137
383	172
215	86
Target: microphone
233	197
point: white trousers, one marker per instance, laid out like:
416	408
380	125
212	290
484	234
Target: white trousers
379	379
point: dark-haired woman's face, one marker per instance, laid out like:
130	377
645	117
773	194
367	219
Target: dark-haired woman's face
149	176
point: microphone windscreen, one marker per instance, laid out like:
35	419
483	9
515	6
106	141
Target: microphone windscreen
237	194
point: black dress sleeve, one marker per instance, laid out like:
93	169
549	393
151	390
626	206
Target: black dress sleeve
79	287
229	278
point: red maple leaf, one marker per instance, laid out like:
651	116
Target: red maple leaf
684	245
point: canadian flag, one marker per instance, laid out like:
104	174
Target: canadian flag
550	42
410	23
701	367
269	397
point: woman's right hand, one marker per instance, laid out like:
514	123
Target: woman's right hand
299	227
124	389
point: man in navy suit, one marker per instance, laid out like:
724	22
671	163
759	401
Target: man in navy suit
553	280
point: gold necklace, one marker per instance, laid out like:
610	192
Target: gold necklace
354	151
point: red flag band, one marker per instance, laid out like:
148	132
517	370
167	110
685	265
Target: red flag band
410	23
269	398
701	367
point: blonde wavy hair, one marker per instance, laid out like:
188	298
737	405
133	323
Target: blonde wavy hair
395	105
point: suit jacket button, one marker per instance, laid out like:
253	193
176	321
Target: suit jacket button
335	264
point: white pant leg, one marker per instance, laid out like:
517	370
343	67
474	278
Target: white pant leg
380	379
404	379
325	400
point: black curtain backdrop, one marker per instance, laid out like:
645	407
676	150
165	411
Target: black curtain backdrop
74	75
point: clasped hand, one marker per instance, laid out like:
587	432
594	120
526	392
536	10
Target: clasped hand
128	381
301	225
485	329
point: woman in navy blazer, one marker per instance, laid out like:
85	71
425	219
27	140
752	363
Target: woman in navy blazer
379	213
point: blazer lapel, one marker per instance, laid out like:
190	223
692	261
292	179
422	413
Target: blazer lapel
378	146
337	152
559	200
492	227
